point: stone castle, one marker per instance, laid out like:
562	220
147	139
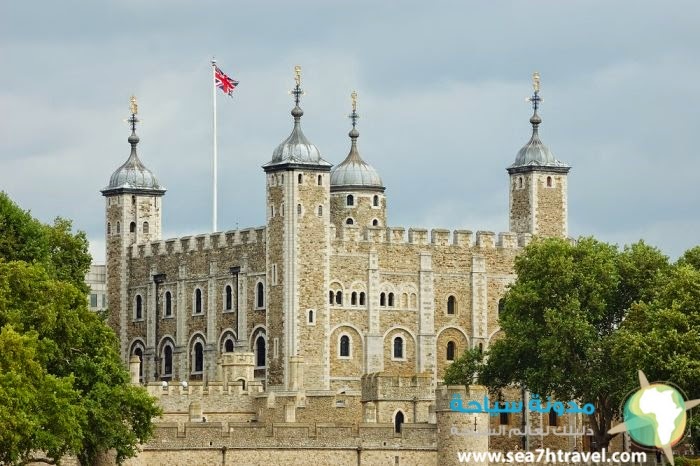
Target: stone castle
324	330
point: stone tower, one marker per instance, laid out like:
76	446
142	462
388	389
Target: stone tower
298	249
357	192
133	215
538	184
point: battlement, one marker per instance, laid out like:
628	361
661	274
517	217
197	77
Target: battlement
436	237
201	242
378	386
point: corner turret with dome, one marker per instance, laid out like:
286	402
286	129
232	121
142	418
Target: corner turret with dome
357	191
538	183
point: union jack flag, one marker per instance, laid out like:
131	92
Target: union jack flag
223	82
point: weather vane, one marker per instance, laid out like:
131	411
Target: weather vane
535	99
133	105
297	92
354	116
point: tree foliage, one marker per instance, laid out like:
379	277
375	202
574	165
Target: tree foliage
465	368
63	387
561	322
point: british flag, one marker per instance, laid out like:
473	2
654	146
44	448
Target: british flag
223	82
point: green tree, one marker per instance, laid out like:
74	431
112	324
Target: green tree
63	387
560	322
465	368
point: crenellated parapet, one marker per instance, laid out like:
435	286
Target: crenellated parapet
199	243
378	386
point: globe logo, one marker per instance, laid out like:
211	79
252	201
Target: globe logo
655	416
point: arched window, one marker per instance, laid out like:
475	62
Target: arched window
375	201
168	304
260	295
320	211
311	316
339	297
375	223
350	200
229	297
197	301
553	418
300	178
132	227
139	352
119	227
133	200
109	228
481	347
398	348
331	297
520	182
167	361
260	352
391	299
382	299
282	179
349	221
501	305
145	227
362	298
398	421
450	351
198	358
549	181
344	346
451	305
299	209
139	307
272	211
353	298
320	180
228	346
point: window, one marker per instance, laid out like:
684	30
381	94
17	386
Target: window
375	223
311	316
132	227
133	200
320	180
145	228
228	305
331	297
501	305
119	227
260	295
260	352
344	346
299	209
481	348
375	201
520	182
167	360
109	228
549	181
168	304
282	180
382	299
93	300
391	299
504	419
198	358
320	211
553	418
350	200
139	352
339	298
228	346
398	421
301	178
362	298
139	307
104	300
398	348
272	211
353	298
450	351
451	305
197	301
349	221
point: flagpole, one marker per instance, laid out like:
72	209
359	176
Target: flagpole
213	88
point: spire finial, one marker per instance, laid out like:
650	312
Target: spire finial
535	100
134	108
297	92
354	116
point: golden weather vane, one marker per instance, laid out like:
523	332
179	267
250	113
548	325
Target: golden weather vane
536	81
297	75
353	97
133	105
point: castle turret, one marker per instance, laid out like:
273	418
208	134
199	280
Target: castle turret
538	184
298	249
132	215
357	192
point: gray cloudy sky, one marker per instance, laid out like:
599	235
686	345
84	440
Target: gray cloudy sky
441	85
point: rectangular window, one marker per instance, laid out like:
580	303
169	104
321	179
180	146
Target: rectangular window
275	348
93	300
274	274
